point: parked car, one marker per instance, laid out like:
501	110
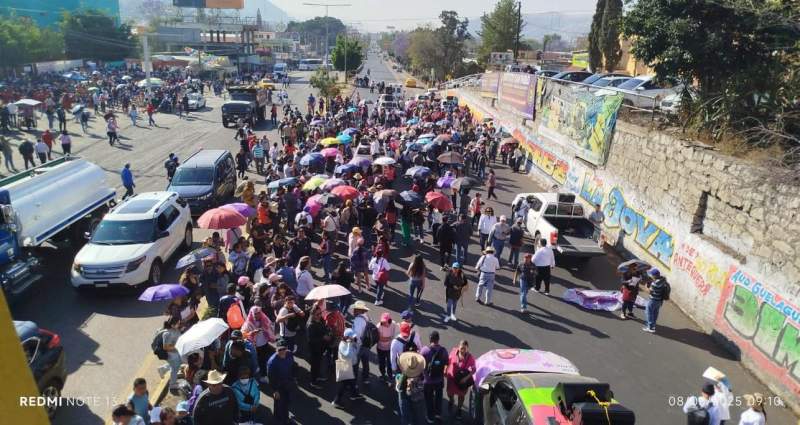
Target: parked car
559	219
205	180
133	242
596	77
643	91
547	73
196	101
533	387
609	82
46	359
574	76
387	106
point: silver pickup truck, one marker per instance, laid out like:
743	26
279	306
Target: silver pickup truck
559	219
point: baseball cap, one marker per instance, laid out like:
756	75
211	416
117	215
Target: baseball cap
456	265
654	272
407	315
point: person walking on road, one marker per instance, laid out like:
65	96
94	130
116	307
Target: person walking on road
524	276
455	283
460	367
659	292
486	267
755	413
515	239
151	111
127	181
134	115
597	218
380	273
8	156
416	275
387	330
66	143
491	183
485	226
345	369
42	151
411	389
545	261
26	149
280	372
216	405
499	235
463	234
701	409
361	323
436	359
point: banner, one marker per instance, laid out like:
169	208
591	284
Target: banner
517	91
579	119
489	83
225	4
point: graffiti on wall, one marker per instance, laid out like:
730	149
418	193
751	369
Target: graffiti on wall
648	235
580	120
546	161
702	271
575	175
592	190
764	324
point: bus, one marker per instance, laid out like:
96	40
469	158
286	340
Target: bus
309	64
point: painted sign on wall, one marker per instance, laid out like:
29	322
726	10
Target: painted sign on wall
593	189
648	235
764	324
489	84
701	270
517	91
545	160
579	119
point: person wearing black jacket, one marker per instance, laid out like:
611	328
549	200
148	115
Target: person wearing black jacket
216	405
367	215
454	285
463	232
446	239
319	337
26	150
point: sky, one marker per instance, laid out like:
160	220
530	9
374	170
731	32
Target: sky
377	15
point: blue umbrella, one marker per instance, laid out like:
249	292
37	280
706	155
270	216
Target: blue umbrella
351	109
350	131
164	292
414	147
317	122
412	121
410	198
442	122
289	181
424	140
194	257
361	162
429	147
344	138
312	158
347	168
418	172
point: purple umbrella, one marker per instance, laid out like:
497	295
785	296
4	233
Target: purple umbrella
361	162
331	183
445	181
241	208
164	292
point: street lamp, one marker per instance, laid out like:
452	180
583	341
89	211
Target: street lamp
327	6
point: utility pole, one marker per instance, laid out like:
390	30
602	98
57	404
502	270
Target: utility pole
146	62
327	24
519	30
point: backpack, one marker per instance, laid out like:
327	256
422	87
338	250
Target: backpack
409	345
435	368
158	345
371	335
234	316
667	290
699	415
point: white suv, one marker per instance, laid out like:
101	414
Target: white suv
133	241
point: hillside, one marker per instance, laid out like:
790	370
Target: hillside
131	9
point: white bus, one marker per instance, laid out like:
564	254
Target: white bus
309	64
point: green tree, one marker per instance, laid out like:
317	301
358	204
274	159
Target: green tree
325	84
22	42
595	32
314	30
499	30
348	52
451	37
424	52
609	39
92	34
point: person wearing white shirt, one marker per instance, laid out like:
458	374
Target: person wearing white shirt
305	282
703	401
360	321
375	148
485	225
722	399
487	267
544	260
755	414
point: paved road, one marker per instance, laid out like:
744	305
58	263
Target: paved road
107	334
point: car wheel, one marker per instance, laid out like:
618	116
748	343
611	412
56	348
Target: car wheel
187	238
154	277
50	391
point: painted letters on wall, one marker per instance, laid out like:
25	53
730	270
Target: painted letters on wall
546	161
764	324
652	238
704	273
579	119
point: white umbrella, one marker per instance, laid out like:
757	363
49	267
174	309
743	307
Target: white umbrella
28	102
327	291
201	335
385	160
127	77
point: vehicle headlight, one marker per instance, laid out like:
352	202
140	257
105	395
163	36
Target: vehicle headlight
76	267
133	265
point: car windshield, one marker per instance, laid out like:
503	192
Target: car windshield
593	78
606	82
193	176
631	84
122	232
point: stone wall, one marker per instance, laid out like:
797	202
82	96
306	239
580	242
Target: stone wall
727	240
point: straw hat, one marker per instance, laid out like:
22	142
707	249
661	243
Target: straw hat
489	250
360	305
214	377
411	364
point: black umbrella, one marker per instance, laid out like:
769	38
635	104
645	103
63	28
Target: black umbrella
410	198
464	183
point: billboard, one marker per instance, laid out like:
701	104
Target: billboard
517	90
210	4
489	83
578	119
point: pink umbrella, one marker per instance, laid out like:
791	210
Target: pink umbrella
313	205
345	192
327	291
439	201
330	152
241	208
220	218
330	184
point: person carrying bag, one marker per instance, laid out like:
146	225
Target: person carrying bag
345	373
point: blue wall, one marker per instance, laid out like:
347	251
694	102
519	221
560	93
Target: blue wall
48	12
